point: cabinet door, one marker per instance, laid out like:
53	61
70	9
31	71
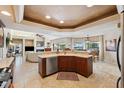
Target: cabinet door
71	63
90	66
42	67
81	66
63	63
78	67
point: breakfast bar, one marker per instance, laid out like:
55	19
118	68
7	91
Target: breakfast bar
67	62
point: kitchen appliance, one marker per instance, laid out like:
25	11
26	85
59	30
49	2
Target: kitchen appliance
118	61
6	77
120	9
51	65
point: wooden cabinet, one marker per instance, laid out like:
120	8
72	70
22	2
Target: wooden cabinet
66	63
90	66
47	49
42	67
83	66
47	66
80	65
63	63
71	63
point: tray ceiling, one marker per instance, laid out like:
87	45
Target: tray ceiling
72	15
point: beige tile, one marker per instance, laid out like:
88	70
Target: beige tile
26	76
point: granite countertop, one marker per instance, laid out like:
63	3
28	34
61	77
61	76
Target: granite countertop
64	54
6	62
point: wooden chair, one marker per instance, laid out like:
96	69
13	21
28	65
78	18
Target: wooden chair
95	55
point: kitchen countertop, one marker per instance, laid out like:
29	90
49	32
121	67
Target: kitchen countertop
6	62
64	54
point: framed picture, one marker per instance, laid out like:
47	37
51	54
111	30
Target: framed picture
39	44
111	45
1	37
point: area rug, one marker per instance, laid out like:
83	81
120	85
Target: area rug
67	76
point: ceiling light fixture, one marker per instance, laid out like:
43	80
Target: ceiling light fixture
47	17
6	13
89	5
61	22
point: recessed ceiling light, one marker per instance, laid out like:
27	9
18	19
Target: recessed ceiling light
6	13
89	5
61	22
47	17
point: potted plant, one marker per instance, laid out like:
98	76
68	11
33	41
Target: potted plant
8	40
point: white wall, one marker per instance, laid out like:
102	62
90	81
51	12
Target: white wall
109	31
47	40
3	50
109	55
24	35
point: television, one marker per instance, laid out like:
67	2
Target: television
29	48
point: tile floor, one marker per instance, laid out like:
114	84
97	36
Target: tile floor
26	76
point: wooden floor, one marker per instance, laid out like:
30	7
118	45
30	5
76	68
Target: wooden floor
26	76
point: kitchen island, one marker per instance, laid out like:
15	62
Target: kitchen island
51	63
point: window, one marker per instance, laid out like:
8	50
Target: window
79	46
62	46
92	45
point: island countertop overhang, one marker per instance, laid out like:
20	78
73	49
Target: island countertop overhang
60	54
50	63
